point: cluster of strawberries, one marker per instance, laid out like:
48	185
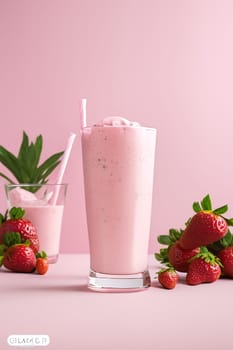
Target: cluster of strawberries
19	244
203	250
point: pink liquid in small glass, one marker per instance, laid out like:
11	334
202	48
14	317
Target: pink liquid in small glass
48	221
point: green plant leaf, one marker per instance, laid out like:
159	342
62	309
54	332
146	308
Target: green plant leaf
206	203
27	158
9	161
7	178
23	147
28	163
49	163
25	167
13	164
37	153
49	170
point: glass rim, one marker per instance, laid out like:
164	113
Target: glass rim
36	184
121	126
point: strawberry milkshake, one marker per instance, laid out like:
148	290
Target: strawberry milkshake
118	165
45	215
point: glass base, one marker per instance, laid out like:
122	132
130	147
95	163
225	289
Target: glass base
52	259
118	283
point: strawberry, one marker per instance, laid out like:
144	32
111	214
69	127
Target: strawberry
206	226
168	277
179	257
42	264
204	267
174	254
16	223
226	257
19	258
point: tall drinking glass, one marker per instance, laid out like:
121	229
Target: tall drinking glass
118	165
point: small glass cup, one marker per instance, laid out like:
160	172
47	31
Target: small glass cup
44	207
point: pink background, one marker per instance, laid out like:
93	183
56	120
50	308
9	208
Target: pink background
165	63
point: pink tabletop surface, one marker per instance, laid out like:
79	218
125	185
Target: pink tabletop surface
60	305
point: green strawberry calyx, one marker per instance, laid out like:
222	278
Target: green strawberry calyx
206	206
169	269
3	249
12	238
16	213
173	236
226	241
162	256
207	256
41	255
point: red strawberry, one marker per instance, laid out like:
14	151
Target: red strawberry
203	229
19	258
174	253
16	223
168	278
42	264
203	268
179	257
226	257
206	227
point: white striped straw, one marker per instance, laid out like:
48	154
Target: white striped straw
63	165
83	114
